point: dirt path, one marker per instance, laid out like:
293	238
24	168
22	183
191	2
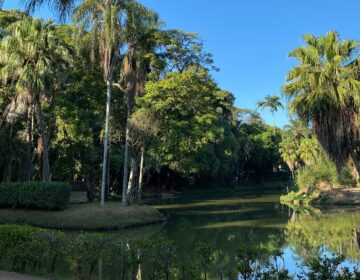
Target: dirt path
16	276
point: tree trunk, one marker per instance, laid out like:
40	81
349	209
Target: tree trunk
29	132
356	165
45	152
274	127
126	162
131	192
129	68
106	142
107	186
141	175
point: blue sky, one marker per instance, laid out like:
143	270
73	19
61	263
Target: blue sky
250	40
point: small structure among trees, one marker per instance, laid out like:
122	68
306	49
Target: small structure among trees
79	192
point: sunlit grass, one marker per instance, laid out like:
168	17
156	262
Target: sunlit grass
220	212
221	202
258	223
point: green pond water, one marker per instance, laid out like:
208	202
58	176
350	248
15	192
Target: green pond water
228	223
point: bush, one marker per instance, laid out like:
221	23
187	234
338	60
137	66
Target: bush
25	246
9	193
38	195
309	177
346	178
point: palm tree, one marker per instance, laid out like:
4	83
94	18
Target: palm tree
324	90
140	35
273	103
104	20
32	55
288	151
63	7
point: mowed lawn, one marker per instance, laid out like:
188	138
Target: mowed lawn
89	216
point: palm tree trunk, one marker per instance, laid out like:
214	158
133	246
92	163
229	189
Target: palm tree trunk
126	162
130	80
45	152
356	165
274	128
29	132
131	189
106	143
141	175
107	186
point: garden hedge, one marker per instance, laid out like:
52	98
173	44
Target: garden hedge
35	195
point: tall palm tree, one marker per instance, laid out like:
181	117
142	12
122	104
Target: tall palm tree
103	20
33	55
324	90
140	36
273	103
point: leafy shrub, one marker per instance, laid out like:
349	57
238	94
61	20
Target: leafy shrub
28	246
84	251
51	196
346	178
9	193
309	177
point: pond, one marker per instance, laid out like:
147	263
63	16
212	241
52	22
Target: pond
262	222
207	234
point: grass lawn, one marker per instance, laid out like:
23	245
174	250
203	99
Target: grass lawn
88	216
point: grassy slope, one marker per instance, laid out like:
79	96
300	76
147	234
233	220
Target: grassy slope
85	217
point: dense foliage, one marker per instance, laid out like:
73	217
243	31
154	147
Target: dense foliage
35	195
169	124
323	89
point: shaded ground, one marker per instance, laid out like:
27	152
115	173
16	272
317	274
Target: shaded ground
323	197
15	276
340	197
88	216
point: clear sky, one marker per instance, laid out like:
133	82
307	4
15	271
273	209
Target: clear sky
250	40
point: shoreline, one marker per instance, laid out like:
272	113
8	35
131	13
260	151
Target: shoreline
334	196
6	275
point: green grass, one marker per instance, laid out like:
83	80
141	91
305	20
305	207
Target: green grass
88	216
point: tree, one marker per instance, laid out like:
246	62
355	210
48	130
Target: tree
323	90
189	108
34	56
273	103
8	17
299	147
104	18
289	153
140	32
182	50
63	7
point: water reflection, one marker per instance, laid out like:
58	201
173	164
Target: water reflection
202	236
312	234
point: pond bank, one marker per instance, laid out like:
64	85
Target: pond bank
16	276
335	196
88	216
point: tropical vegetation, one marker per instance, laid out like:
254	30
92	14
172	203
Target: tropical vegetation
116	91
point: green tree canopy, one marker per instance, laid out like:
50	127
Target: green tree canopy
323	89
